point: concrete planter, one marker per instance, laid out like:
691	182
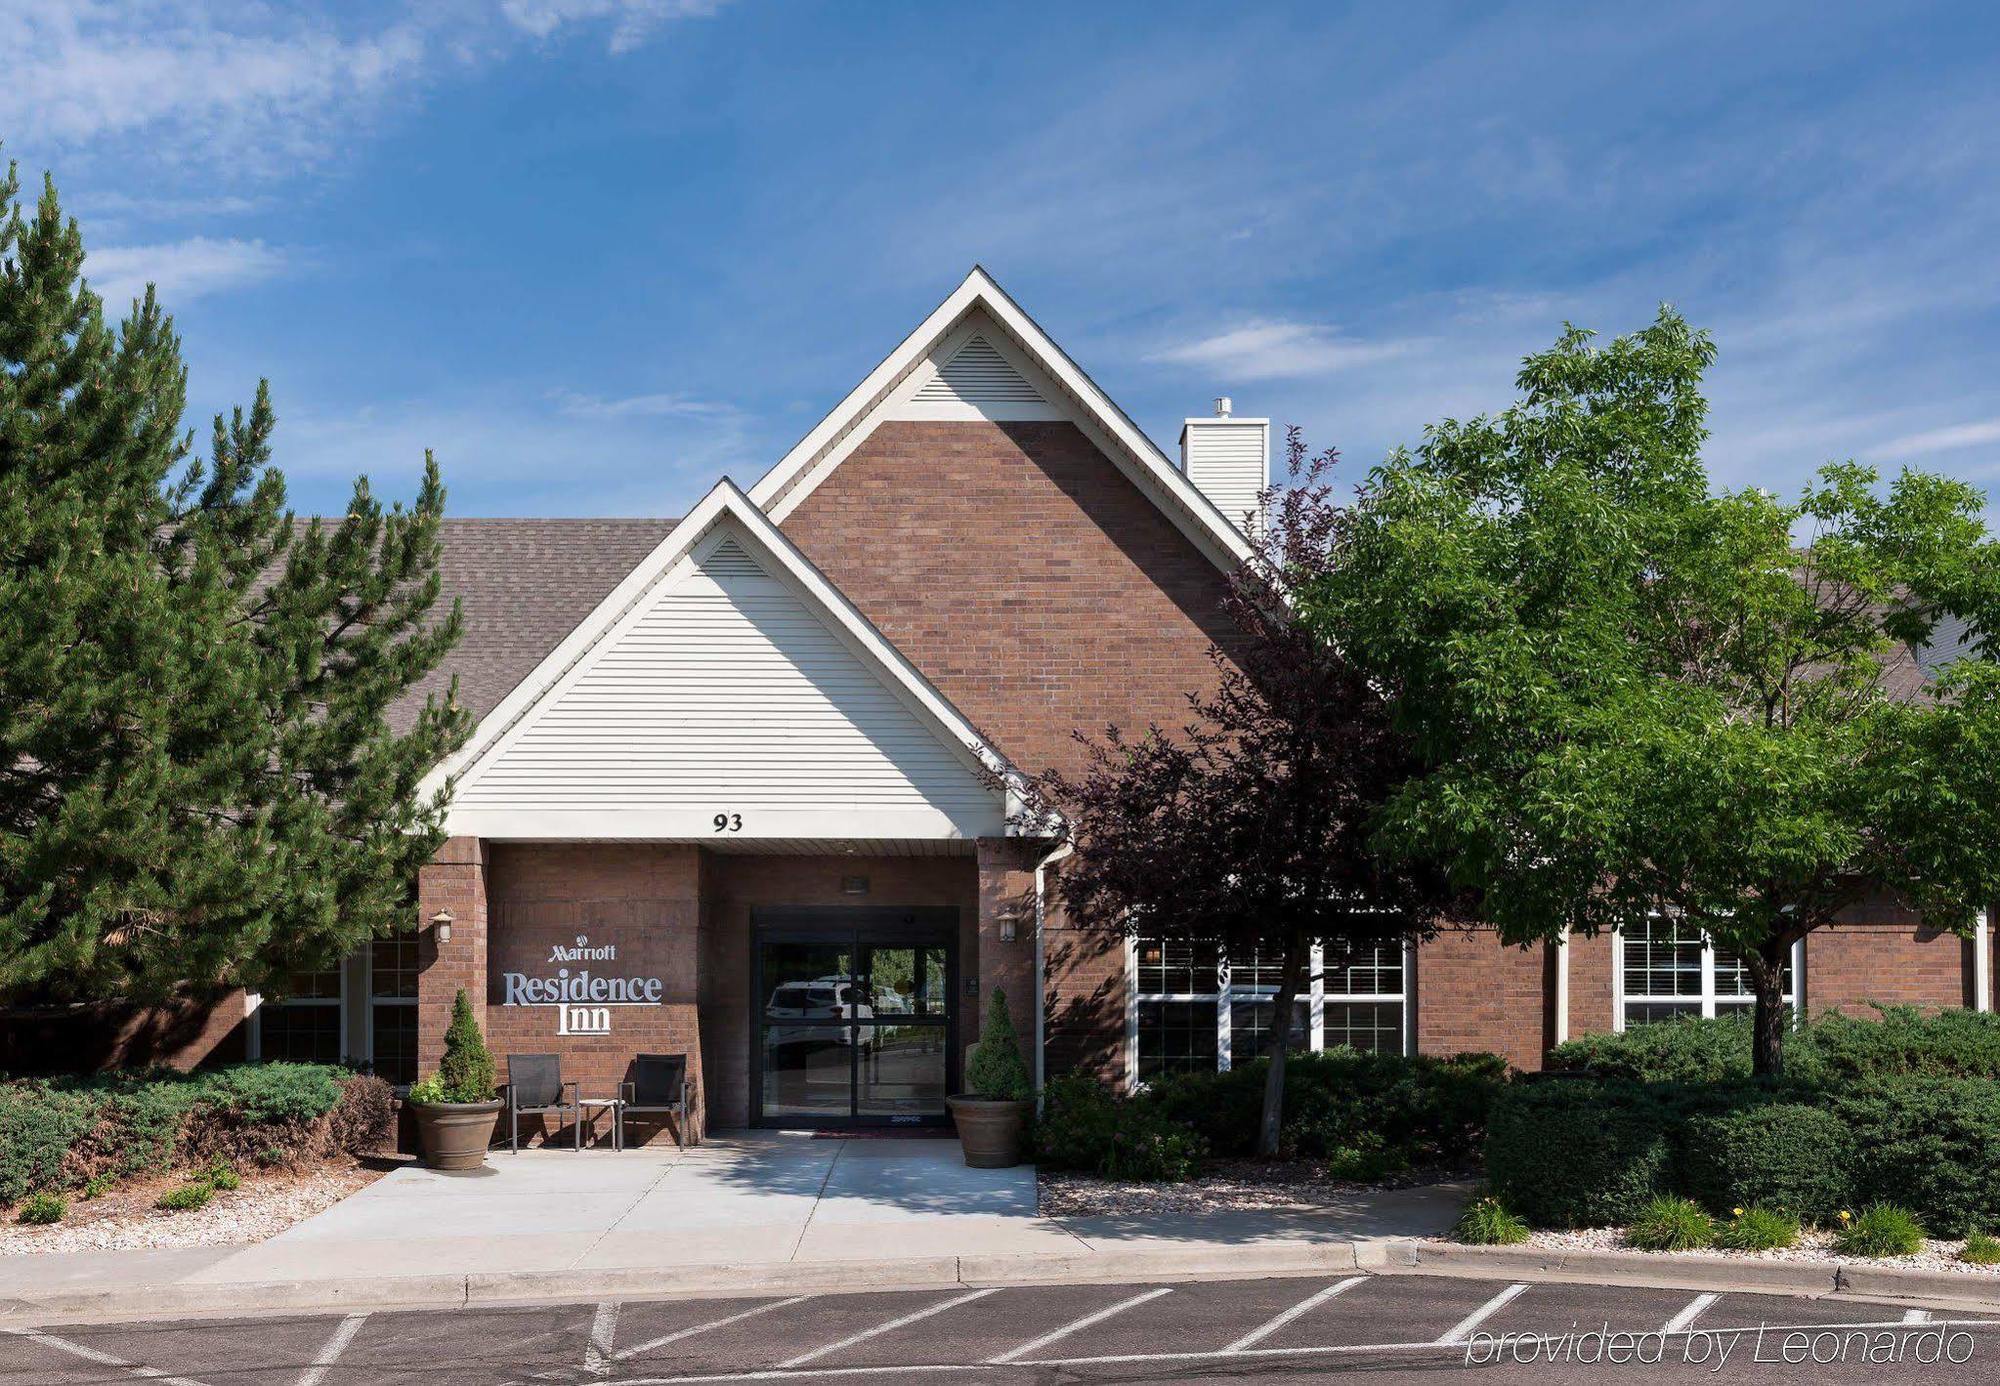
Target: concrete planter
455	1135
989	1130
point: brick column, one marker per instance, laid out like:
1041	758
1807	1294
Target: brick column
1006	899
1476	994
454	880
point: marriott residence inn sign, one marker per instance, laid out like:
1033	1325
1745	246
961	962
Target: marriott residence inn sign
583	985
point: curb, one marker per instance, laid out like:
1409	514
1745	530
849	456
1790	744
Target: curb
226	1299
1680	1272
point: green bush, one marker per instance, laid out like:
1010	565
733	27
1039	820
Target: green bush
997	1071
1927	1144
39	1210
185	1198
1777	1155
1980	1250
467	1068
266	1094
1883	1229
1576	1152
1689	1050
38	1126
97	1187
1085	1126
222	1178
1484	1222
1833	1051
1670	1224
1758	1229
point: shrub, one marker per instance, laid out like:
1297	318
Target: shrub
38	1126
466	1070
278	1093
42	1209
1834	1051
1671	1224
1980	1250
1927	1144
222	1178
1882	1229
1689	1050
1085	1126
1576	1152
1484	1222
97	1187
1758	1229
1778	1155
185	1198
996	1070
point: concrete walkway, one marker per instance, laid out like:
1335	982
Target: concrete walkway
762	1208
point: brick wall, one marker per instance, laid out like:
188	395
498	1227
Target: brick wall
1475	994
1043	594
1590	985
82	1039
1881	952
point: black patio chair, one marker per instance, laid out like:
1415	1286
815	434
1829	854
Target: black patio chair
660	1083
535	1088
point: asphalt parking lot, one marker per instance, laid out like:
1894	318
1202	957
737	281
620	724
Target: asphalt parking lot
1392	1328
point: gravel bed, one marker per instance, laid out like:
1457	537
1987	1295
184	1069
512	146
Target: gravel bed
1228	1186
125	1218
1813	1248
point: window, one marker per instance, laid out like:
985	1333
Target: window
305	1026
392	1007
1667	968
1192	1011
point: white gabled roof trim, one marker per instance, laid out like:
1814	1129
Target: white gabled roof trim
672	555
780	490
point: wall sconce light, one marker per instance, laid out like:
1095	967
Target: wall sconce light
441	921
853	885
1007	927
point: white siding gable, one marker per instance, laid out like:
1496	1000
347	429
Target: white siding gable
976	372
724	691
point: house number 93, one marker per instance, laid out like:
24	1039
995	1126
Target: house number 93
729	822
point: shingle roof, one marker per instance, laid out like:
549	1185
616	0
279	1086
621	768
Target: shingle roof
524	585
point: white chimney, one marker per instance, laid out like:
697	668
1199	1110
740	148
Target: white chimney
1229	461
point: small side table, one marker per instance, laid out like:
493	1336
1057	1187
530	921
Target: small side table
616	1105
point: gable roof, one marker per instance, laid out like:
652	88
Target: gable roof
752	545
815	456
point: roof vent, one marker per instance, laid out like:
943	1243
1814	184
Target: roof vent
977	374
727	559
1229	461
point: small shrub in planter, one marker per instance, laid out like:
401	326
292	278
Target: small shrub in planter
455	1107
1980	1250
992	1117
1576	1152
1881	1229
185	1198
1483	1222
39	1210
1775	1155
1671	1224
1757	1229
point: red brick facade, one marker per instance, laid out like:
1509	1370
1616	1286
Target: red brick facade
1475	995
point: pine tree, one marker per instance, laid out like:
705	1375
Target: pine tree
467	1069
198	785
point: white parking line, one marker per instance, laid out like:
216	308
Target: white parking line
1036	1344
330	1354
664	1339
603	1330
103	1359
1263	1331
1463	1328
1692	1311
1917	1316
865	1334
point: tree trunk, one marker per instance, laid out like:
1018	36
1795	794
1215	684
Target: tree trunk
1281	1044
1767	1044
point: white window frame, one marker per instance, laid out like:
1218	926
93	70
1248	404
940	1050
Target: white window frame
1706	1008
1316	995
254	1002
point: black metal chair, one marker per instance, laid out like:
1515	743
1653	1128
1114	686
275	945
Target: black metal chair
535	1088
660	1084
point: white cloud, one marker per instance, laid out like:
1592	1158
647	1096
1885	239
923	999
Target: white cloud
183	270
637	406
633	20
1968	435
1278	350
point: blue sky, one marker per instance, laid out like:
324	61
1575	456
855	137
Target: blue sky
598	252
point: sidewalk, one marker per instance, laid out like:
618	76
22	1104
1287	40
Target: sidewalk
756	1211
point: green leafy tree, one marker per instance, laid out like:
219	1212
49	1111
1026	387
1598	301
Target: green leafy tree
198	783
1637	697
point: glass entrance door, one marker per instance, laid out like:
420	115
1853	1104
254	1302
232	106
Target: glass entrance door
855	1022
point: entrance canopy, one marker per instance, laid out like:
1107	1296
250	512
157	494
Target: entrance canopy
726	693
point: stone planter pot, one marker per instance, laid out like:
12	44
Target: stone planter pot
989	1130
455	1135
